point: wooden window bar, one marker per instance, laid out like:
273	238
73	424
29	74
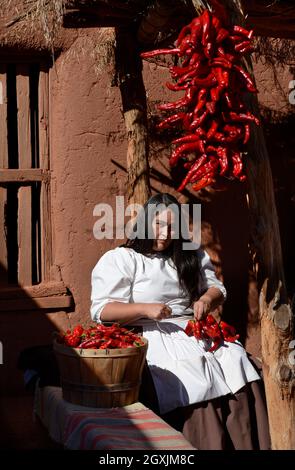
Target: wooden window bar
25	216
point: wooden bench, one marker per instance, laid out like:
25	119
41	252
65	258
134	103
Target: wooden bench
126	428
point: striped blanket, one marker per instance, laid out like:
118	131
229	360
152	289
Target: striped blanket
129	427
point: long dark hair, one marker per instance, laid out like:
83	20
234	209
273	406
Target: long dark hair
186	261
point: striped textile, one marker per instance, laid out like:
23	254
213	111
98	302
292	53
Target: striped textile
129	427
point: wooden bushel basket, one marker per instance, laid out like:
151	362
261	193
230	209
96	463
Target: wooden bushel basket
100	378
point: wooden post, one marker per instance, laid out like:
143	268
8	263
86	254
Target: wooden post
25	161
3	164
46	230
129	67
275	313
279	376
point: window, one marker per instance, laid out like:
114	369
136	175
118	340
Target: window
25	217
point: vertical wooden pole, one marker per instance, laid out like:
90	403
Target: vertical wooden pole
25	161
278	370
3	164
129	67
46	242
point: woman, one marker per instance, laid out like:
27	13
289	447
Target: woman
151	282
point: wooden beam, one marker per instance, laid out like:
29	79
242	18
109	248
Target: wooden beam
10	55
25	162
43	111
23	175
45	202
47	295
44	289
103	10
54	302
273	19
114	5
278	372
157	19
98	15
77	19
271	29
3	164
133	94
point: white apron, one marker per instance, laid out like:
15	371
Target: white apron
185	372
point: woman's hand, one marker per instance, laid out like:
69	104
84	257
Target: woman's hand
156	311
208	302
201	309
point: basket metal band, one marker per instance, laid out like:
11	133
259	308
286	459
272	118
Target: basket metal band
67	385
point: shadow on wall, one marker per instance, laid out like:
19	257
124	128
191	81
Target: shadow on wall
280	140
21	328
225	235
228	214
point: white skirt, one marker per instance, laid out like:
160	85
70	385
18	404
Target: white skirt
185	372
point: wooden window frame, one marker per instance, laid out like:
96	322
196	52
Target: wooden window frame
48	293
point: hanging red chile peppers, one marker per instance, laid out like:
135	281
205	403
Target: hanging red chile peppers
212	113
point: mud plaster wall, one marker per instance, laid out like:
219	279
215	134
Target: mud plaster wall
87	132
89	142
88	162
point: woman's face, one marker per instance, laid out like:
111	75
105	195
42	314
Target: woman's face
163	226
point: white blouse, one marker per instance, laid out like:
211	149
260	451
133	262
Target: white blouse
123	275
183	370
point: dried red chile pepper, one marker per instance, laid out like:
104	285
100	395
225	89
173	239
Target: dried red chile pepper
209	329
212	113
100	337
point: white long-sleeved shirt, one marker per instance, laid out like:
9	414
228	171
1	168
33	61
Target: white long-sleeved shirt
123	275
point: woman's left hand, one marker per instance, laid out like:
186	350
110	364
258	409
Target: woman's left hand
201	309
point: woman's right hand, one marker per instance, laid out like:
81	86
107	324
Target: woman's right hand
157	311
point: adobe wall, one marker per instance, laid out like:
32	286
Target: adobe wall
88	163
